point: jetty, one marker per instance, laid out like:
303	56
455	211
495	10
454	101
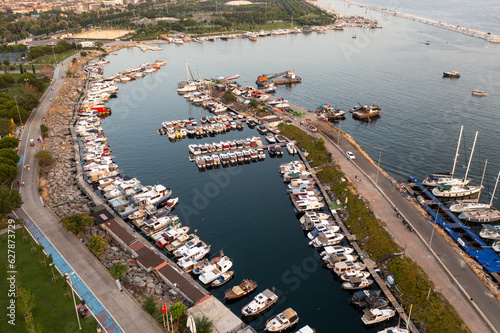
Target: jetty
455	28
370	264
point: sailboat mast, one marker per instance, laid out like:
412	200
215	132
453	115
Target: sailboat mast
495	189
456	154
187	71
470	158
482	179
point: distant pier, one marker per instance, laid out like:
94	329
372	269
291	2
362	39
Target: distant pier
466	31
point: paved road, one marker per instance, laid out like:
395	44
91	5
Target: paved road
415	248
127	313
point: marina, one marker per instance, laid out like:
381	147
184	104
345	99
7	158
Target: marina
211	219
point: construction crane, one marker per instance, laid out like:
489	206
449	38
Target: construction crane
289	77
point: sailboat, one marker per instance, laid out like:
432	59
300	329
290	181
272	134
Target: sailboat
475	205
456	191
447	178
186	86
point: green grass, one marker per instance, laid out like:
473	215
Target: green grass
52	310
315	148
436	313
13	91
49	58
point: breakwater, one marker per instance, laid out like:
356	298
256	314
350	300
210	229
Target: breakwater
455	28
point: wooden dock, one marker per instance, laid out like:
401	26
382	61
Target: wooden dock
352	240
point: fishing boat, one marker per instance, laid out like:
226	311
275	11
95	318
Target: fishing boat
202	264
282	321
453	74
368	299
357	283
489	232
306	329
261	302
223	279
377	315
212	272
327	238
496	246
477	92
336	249
292	149
270	138
366	111
353	273
244	288
180	242
332	259
344	266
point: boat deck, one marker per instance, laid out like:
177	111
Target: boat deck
282	144
462	234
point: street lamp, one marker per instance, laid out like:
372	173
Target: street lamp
68	277
338	134
378	165
19	113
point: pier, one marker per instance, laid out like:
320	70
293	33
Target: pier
352	240
455	28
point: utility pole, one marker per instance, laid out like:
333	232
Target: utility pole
378	165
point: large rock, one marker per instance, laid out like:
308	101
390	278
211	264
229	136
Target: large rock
151	285
137	279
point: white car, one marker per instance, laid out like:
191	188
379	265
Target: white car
350	155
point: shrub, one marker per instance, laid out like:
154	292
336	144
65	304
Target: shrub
118	271
76	222
98	244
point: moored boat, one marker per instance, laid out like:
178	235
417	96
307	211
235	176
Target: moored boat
244	288
282	321
375	316
357	283
453	74
223	279
477	92
261	302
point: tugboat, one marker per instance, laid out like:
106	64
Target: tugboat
282	321
452	75
261	302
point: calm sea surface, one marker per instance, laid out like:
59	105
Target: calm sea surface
244	210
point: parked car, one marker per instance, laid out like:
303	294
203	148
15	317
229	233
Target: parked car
32	142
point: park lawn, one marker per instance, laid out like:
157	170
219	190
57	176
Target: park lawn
49	58
53	311
13	91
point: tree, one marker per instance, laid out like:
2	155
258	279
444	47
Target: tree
6	62
98	244
253	103
8	173
176	310
33	68
21	69
149	305
83	54
9	142
44	158
204	325
10	200
45	130
10	154
76	222
25	301
8	78
12	68
26	76
118	271
6	127
229	96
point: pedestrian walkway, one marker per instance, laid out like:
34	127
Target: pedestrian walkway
100	313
